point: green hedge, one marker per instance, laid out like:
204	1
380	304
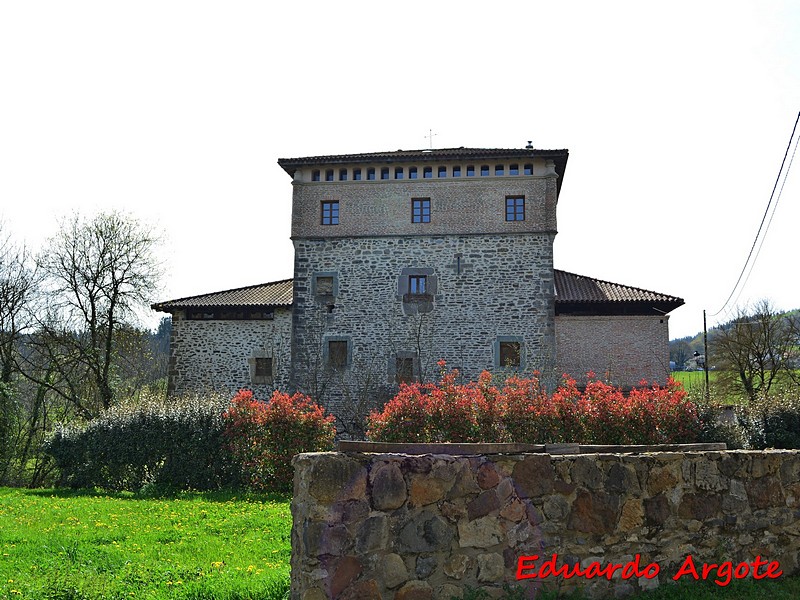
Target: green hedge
171	443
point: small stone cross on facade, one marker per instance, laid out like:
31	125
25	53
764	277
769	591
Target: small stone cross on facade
459	265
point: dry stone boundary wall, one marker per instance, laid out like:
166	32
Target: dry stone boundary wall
405	527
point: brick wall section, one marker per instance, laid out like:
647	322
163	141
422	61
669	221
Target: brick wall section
624	349
214	355
398	527
505	288
474	205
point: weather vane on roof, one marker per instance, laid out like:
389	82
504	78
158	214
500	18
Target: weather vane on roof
430	137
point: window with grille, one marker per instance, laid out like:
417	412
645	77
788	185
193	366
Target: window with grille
330	212
515	208
421	210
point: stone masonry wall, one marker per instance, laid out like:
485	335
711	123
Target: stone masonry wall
216	355
484	289
424	527
622	349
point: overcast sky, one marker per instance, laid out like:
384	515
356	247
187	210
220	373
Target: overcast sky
676	116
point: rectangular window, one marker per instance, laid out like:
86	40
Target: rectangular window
404	370
421	210
456	171
342	174
315	175
515	208
527	169
398	172
330	212
442	172
427	172
337	354
371	174
329	175
417	285
513	169
412	172
356	174
385	173
484	170
470	170
510	354
499	170
263	368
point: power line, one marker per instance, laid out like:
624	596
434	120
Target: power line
769	223
763	219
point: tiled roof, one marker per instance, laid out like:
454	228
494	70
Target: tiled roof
572	288
436	154
276	293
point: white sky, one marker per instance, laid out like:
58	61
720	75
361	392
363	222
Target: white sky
676	116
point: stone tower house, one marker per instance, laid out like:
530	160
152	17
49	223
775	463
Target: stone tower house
409	257
405	258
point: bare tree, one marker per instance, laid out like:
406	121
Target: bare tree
751	351
97	274
17	285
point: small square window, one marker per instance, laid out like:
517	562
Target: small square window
404	370
513	169
385	173
427	173
456	171
342	174
337	354
470	170
527	169
484	170
499	170
442	172
510	354
412	172
329	175
371	174
315	175
324	286
263	368
330	212
356	174
515	208
421	210
418	285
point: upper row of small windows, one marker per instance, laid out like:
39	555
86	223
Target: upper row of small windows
371	173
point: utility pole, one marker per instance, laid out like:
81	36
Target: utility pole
705	358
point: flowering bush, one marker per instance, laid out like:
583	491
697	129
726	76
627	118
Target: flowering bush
264	436
522	411
170	443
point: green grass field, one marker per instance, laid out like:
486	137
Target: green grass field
62	545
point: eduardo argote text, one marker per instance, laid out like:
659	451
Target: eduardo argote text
529	567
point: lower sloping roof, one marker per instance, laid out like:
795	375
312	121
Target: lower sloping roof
582	295
575	294
275	293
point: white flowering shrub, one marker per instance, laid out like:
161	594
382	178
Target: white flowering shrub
170	443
